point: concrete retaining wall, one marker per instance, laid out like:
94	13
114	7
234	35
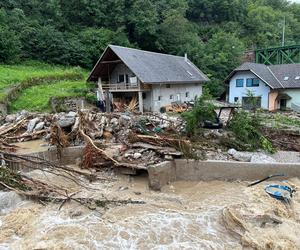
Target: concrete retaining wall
190	170
68	156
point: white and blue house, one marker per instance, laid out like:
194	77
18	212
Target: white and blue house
274	86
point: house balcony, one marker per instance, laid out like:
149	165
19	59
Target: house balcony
126	87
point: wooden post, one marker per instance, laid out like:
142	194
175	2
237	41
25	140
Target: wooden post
141	109
100	96
107	101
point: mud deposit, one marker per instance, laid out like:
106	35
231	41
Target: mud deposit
185	215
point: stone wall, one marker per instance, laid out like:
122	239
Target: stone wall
3	109
67	104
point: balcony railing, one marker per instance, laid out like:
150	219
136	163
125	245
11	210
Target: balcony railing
121	86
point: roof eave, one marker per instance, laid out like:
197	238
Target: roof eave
177	82
96	65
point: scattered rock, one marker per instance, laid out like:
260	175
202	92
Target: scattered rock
71	114
127	155
232	151
75	213
39	126
123	188
240	156
19	118
24	113
32	124
168	157
65	121
114	121
262	158
137	155
10	118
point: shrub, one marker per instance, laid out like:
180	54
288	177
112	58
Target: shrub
203	110
91	97
247	129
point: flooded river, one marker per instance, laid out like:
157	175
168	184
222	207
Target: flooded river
185	215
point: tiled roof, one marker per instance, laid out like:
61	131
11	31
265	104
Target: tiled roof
151	67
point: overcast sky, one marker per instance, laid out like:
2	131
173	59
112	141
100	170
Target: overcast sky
296	1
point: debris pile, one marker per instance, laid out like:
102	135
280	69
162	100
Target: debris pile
112	140
123	139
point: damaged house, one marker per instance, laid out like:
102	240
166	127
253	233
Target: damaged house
154	80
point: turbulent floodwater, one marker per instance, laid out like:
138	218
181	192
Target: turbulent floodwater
185	215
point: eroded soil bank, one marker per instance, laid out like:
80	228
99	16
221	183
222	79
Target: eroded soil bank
185	215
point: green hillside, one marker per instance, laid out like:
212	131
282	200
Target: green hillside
31	84
36	98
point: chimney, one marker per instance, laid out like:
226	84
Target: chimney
185	57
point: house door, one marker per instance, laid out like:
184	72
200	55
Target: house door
283	104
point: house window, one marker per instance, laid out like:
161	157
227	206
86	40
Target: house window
120	78
239	82
127	78
144	95
171	97
187	94
252	82
168	86
236	99
159	98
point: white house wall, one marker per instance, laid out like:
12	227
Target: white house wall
177	90
295	95
240	92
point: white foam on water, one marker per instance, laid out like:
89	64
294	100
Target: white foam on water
156	230
9	201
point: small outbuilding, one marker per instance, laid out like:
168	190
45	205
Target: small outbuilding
153	79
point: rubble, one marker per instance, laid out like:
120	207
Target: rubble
140	139
39	126
145	139
262	158
240	156
31	124
254	157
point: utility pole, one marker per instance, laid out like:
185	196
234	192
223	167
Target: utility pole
283	32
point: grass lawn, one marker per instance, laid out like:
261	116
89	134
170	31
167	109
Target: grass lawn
36	98
12	74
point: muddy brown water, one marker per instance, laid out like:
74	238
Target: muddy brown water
32	146
184	215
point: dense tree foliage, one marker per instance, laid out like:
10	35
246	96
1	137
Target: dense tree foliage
214	33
